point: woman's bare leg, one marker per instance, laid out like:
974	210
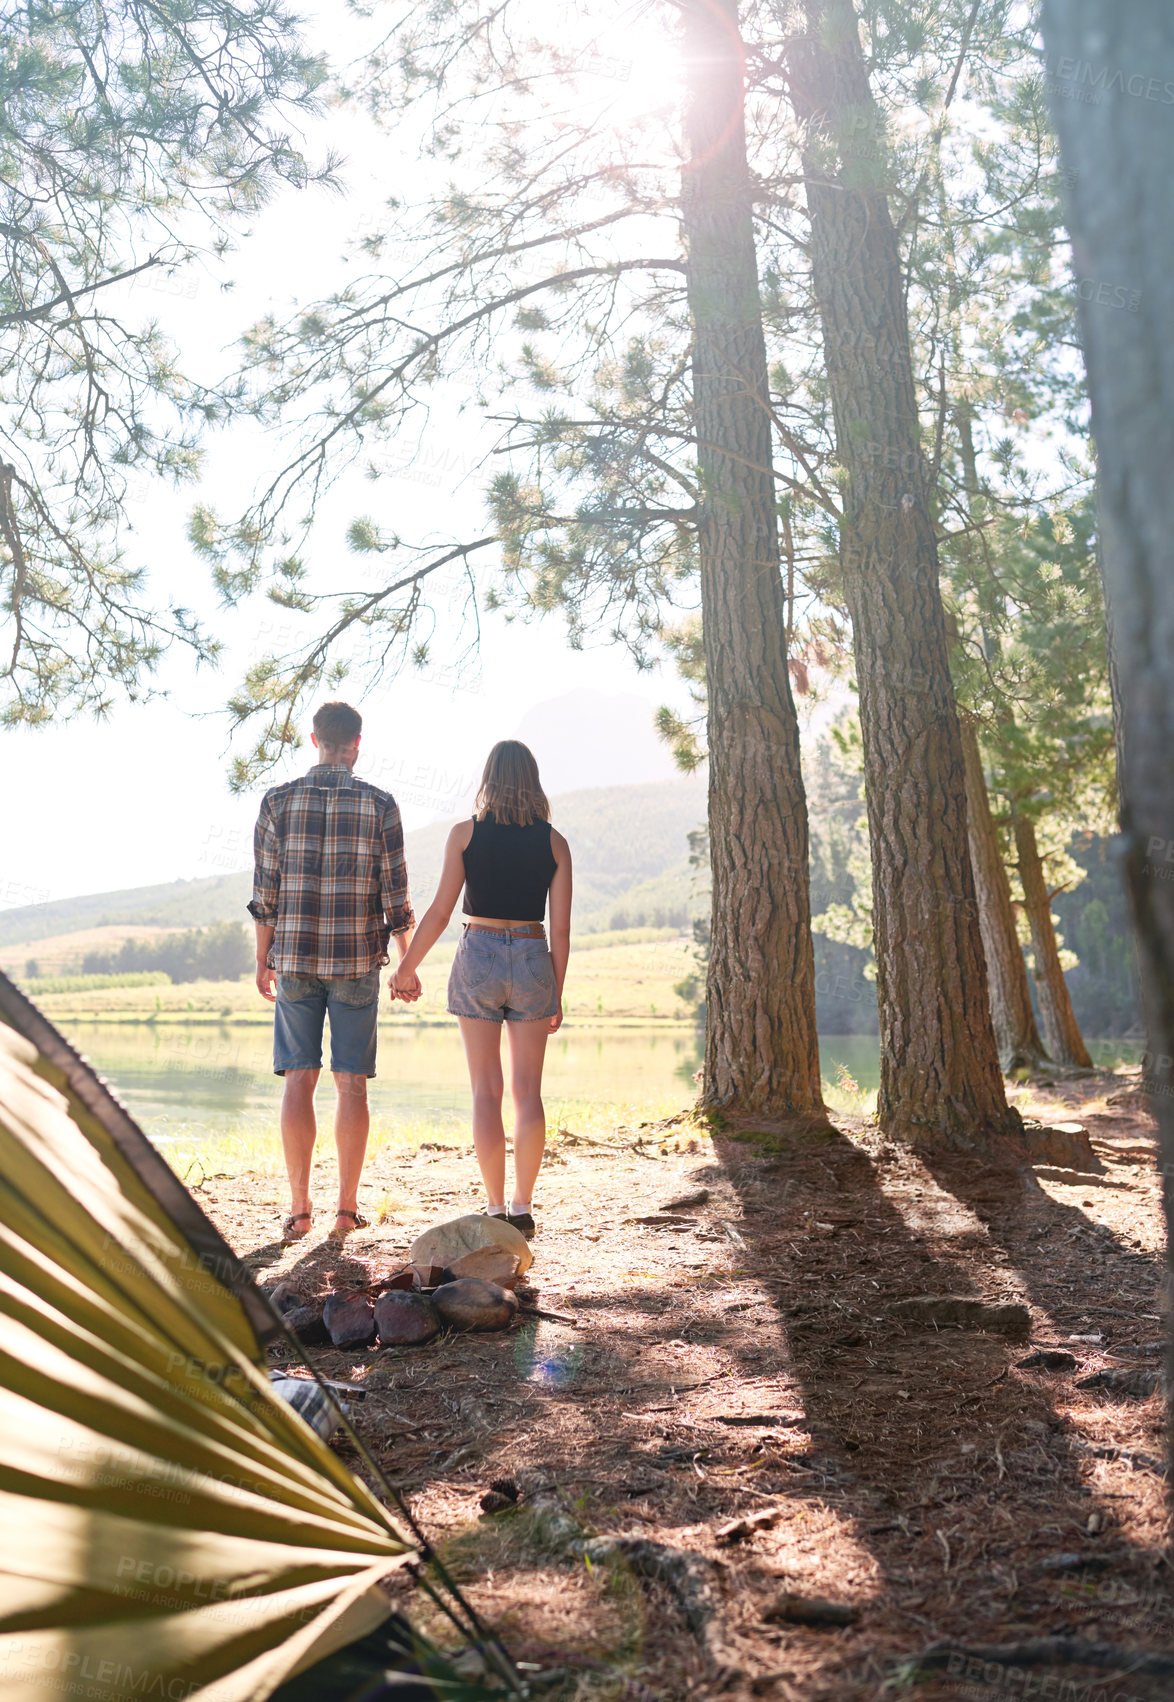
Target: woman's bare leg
483	1051
527	1054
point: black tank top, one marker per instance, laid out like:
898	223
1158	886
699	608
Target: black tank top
508	871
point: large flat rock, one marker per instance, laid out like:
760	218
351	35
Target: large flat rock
445	1243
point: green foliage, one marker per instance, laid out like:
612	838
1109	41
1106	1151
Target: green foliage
91	983
1096	927
133	139
221	952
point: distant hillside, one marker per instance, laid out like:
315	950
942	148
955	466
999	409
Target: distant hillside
622	837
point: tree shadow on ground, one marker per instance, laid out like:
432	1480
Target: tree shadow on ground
959	1468
915	1474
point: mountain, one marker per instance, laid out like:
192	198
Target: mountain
629	845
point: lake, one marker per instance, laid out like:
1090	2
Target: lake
185	1083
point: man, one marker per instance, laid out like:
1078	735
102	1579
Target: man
329	889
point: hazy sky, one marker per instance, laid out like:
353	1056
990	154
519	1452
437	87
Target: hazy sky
142	797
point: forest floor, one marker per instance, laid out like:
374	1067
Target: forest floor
747	1365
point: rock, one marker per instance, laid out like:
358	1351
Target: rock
1135	1384
471	1303
405	1278
446	1242
493	1264
428	1276
811	1610
349	1319
284	1296
1066	1145
307	1324
963	1312
1047	1359
402	1318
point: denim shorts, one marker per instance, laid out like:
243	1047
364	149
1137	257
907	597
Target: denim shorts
303	1002
502	976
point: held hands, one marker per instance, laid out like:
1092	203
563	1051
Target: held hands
404	985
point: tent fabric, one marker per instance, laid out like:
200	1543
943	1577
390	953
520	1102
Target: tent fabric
169	1527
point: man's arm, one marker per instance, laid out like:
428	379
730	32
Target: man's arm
266	974
266	895
394	897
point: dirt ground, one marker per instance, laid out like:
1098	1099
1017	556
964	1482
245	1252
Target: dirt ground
746	1364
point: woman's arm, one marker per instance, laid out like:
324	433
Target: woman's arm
560	919
405	982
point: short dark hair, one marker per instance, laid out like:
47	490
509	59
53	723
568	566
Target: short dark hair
336	725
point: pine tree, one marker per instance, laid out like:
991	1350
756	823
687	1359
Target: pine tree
629	290
134	138
1119	152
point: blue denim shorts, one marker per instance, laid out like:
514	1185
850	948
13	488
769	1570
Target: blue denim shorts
303	1002
502	977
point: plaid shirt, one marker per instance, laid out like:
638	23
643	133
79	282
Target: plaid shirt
329	873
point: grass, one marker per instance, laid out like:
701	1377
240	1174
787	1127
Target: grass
37	986
256	1147
625	978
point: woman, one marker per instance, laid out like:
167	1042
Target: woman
508	858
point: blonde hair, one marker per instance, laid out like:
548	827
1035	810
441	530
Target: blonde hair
510	789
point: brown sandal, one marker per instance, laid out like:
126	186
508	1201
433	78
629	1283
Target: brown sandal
357	1222
288	1232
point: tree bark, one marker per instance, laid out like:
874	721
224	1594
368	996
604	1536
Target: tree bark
940	1077
761	1052
1105	544
1016	1034
1061	1033
1119	149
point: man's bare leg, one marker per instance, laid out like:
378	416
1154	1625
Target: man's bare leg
352	1123
299	1131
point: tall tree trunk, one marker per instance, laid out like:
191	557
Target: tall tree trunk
1105	544
940	1076
1020	1047
1061	1031
1119	151
761	1052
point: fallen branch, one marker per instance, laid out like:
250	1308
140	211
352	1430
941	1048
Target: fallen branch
1044	1651
637	1145
543	1312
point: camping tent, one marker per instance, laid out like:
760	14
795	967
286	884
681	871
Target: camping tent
168	1527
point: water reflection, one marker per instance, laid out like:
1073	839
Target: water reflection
183	1082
